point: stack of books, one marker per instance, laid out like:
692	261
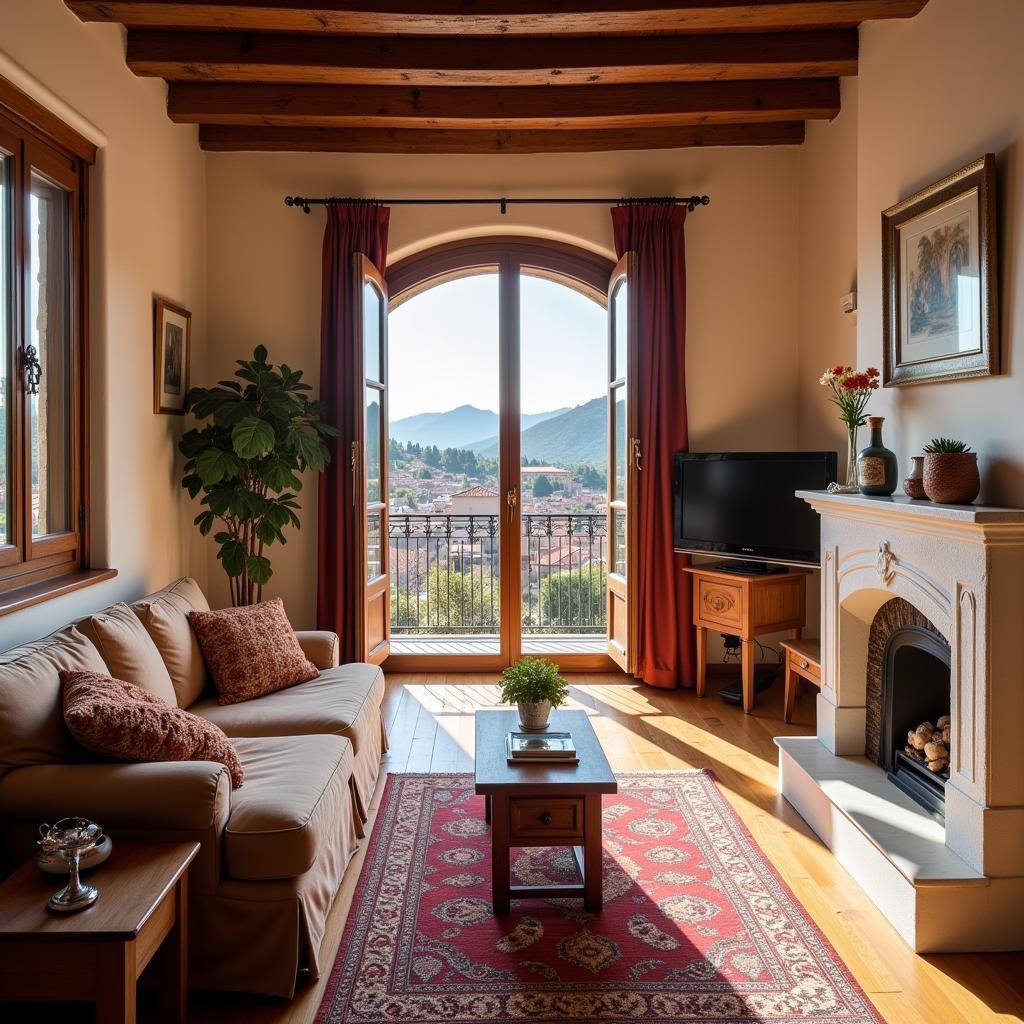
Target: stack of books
550	747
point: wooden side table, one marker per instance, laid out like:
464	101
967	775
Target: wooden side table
543	805
99	953
803	661
747	606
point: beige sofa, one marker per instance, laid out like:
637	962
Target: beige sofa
274	851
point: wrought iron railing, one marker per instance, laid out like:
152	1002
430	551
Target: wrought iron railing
445	573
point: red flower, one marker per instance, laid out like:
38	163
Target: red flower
839	370
872	372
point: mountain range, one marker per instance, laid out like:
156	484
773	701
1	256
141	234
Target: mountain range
572	437
458	428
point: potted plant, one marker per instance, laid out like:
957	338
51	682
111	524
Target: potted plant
950	472
851	390
263	431
535	687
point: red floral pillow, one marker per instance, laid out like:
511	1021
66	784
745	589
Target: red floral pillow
123	722
251	650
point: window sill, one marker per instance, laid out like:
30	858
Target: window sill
46	590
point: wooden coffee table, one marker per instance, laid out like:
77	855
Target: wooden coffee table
543	805
98	953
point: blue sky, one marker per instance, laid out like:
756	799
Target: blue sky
443	347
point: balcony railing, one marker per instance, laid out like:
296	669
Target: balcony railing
445	574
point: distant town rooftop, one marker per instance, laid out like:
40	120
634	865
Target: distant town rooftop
477	491
545	470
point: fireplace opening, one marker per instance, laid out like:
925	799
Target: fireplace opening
915	709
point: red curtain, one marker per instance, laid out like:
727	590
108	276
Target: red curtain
666	654
350	229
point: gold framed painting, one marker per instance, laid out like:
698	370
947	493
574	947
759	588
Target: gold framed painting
940	308
172	344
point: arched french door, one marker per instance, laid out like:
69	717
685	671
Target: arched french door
514	542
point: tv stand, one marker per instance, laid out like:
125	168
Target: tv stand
748	606
741	567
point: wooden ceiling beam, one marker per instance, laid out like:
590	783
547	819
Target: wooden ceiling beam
610	106
234	138
361	60
495	17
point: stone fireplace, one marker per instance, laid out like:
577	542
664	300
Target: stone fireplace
913	779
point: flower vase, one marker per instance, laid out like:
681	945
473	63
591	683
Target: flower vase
851	486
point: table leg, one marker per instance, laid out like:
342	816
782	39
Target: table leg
790	693
500	895
593	854
487	808
174	966
748	676
115	996
702	655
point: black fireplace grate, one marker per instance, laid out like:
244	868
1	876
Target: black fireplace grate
926	787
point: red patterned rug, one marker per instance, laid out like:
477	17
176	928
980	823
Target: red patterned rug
697	926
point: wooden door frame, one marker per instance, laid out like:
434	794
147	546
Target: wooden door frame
624	273
587	272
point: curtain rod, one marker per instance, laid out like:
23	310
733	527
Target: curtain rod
692	202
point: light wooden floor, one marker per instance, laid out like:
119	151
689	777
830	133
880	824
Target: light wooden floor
430	719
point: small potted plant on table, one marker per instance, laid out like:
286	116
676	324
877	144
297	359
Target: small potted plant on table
535	687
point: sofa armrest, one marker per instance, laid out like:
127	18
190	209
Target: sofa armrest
158	801
320	646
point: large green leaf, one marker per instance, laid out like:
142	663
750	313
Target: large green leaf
233	557
215	464
258	569
252	438
308	448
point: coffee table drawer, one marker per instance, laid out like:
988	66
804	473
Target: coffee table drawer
552	818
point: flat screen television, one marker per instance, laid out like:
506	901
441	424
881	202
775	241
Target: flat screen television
743	505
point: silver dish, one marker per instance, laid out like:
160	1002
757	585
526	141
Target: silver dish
56	863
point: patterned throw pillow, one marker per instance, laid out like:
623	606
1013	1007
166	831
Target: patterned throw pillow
123	722
251	650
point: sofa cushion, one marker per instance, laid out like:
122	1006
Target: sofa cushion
32	727
129	653
344	701
120	721
251	651
296	787
165	616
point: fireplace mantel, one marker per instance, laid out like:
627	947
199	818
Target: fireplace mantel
962	568
983	518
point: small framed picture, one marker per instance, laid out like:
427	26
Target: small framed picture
172	340
940	309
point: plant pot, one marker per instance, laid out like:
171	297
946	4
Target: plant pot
534	717
951	478
913	486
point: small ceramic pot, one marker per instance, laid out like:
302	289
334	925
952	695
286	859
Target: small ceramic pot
951	478
534	717
913	486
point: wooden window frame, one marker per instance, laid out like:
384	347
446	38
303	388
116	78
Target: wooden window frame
505	255
35	141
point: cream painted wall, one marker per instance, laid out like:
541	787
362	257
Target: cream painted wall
828	268
263	280
935	93
148	237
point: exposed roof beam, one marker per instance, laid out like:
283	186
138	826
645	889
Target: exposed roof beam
611	106
345	60
495	17
228	138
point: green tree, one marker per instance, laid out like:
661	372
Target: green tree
405	495
456	600
575	598
542	486
425	474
